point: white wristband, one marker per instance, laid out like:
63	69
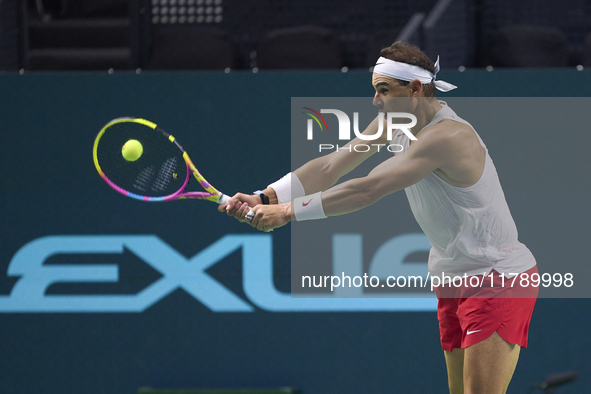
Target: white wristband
288	188
308	207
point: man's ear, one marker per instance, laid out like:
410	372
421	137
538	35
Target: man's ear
416	87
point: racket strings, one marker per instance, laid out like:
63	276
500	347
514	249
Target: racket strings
143	179
165	175
159	171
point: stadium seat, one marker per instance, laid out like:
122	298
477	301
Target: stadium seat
76	35
80	33
303	47
71	9
100	8
190	47
78	59
529	46
79	44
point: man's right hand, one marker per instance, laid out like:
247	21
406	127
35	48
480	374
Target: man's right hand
239	204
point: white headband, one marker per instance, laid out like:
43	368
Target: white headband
408	72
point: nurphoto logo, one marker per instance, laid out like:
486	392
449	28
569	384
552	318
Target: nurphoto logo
345	129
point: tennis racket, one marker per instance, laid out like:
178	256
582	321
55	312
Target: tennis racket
140	160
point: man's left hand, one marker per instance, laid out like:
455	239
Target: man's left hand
269	217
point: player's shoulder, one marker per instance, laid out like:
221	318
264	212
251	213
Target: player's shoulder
446	136
446	129
447	132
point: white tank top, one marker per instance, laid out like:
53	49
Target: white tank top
471	229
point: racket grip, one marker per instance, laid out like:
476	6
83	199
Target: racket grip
223	199
250	214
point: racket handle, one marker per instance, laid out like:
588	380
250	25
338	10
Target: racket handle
250	214
223	199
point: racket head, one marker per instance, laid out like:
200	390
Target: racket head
161	172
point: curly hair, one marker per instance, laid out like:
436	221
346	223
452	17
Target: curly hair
404	52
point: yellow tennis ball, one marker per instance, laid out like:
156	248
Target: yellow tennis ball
132	150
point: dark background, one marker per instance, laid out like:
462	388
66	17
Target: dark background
288	34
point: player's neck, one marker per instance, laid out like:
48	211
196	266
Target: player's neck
425	113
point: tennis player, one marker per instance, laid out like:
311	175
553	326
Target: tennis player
456	197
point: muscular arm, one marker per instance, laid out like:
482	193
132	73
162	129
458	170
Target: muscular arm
453	153
435	149
317	174
323	172
391	176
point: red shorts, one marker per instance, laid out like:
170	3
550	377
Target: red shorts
465	321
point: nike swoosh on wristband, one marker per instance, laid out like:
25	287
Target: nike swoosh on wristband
306	203
472	332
